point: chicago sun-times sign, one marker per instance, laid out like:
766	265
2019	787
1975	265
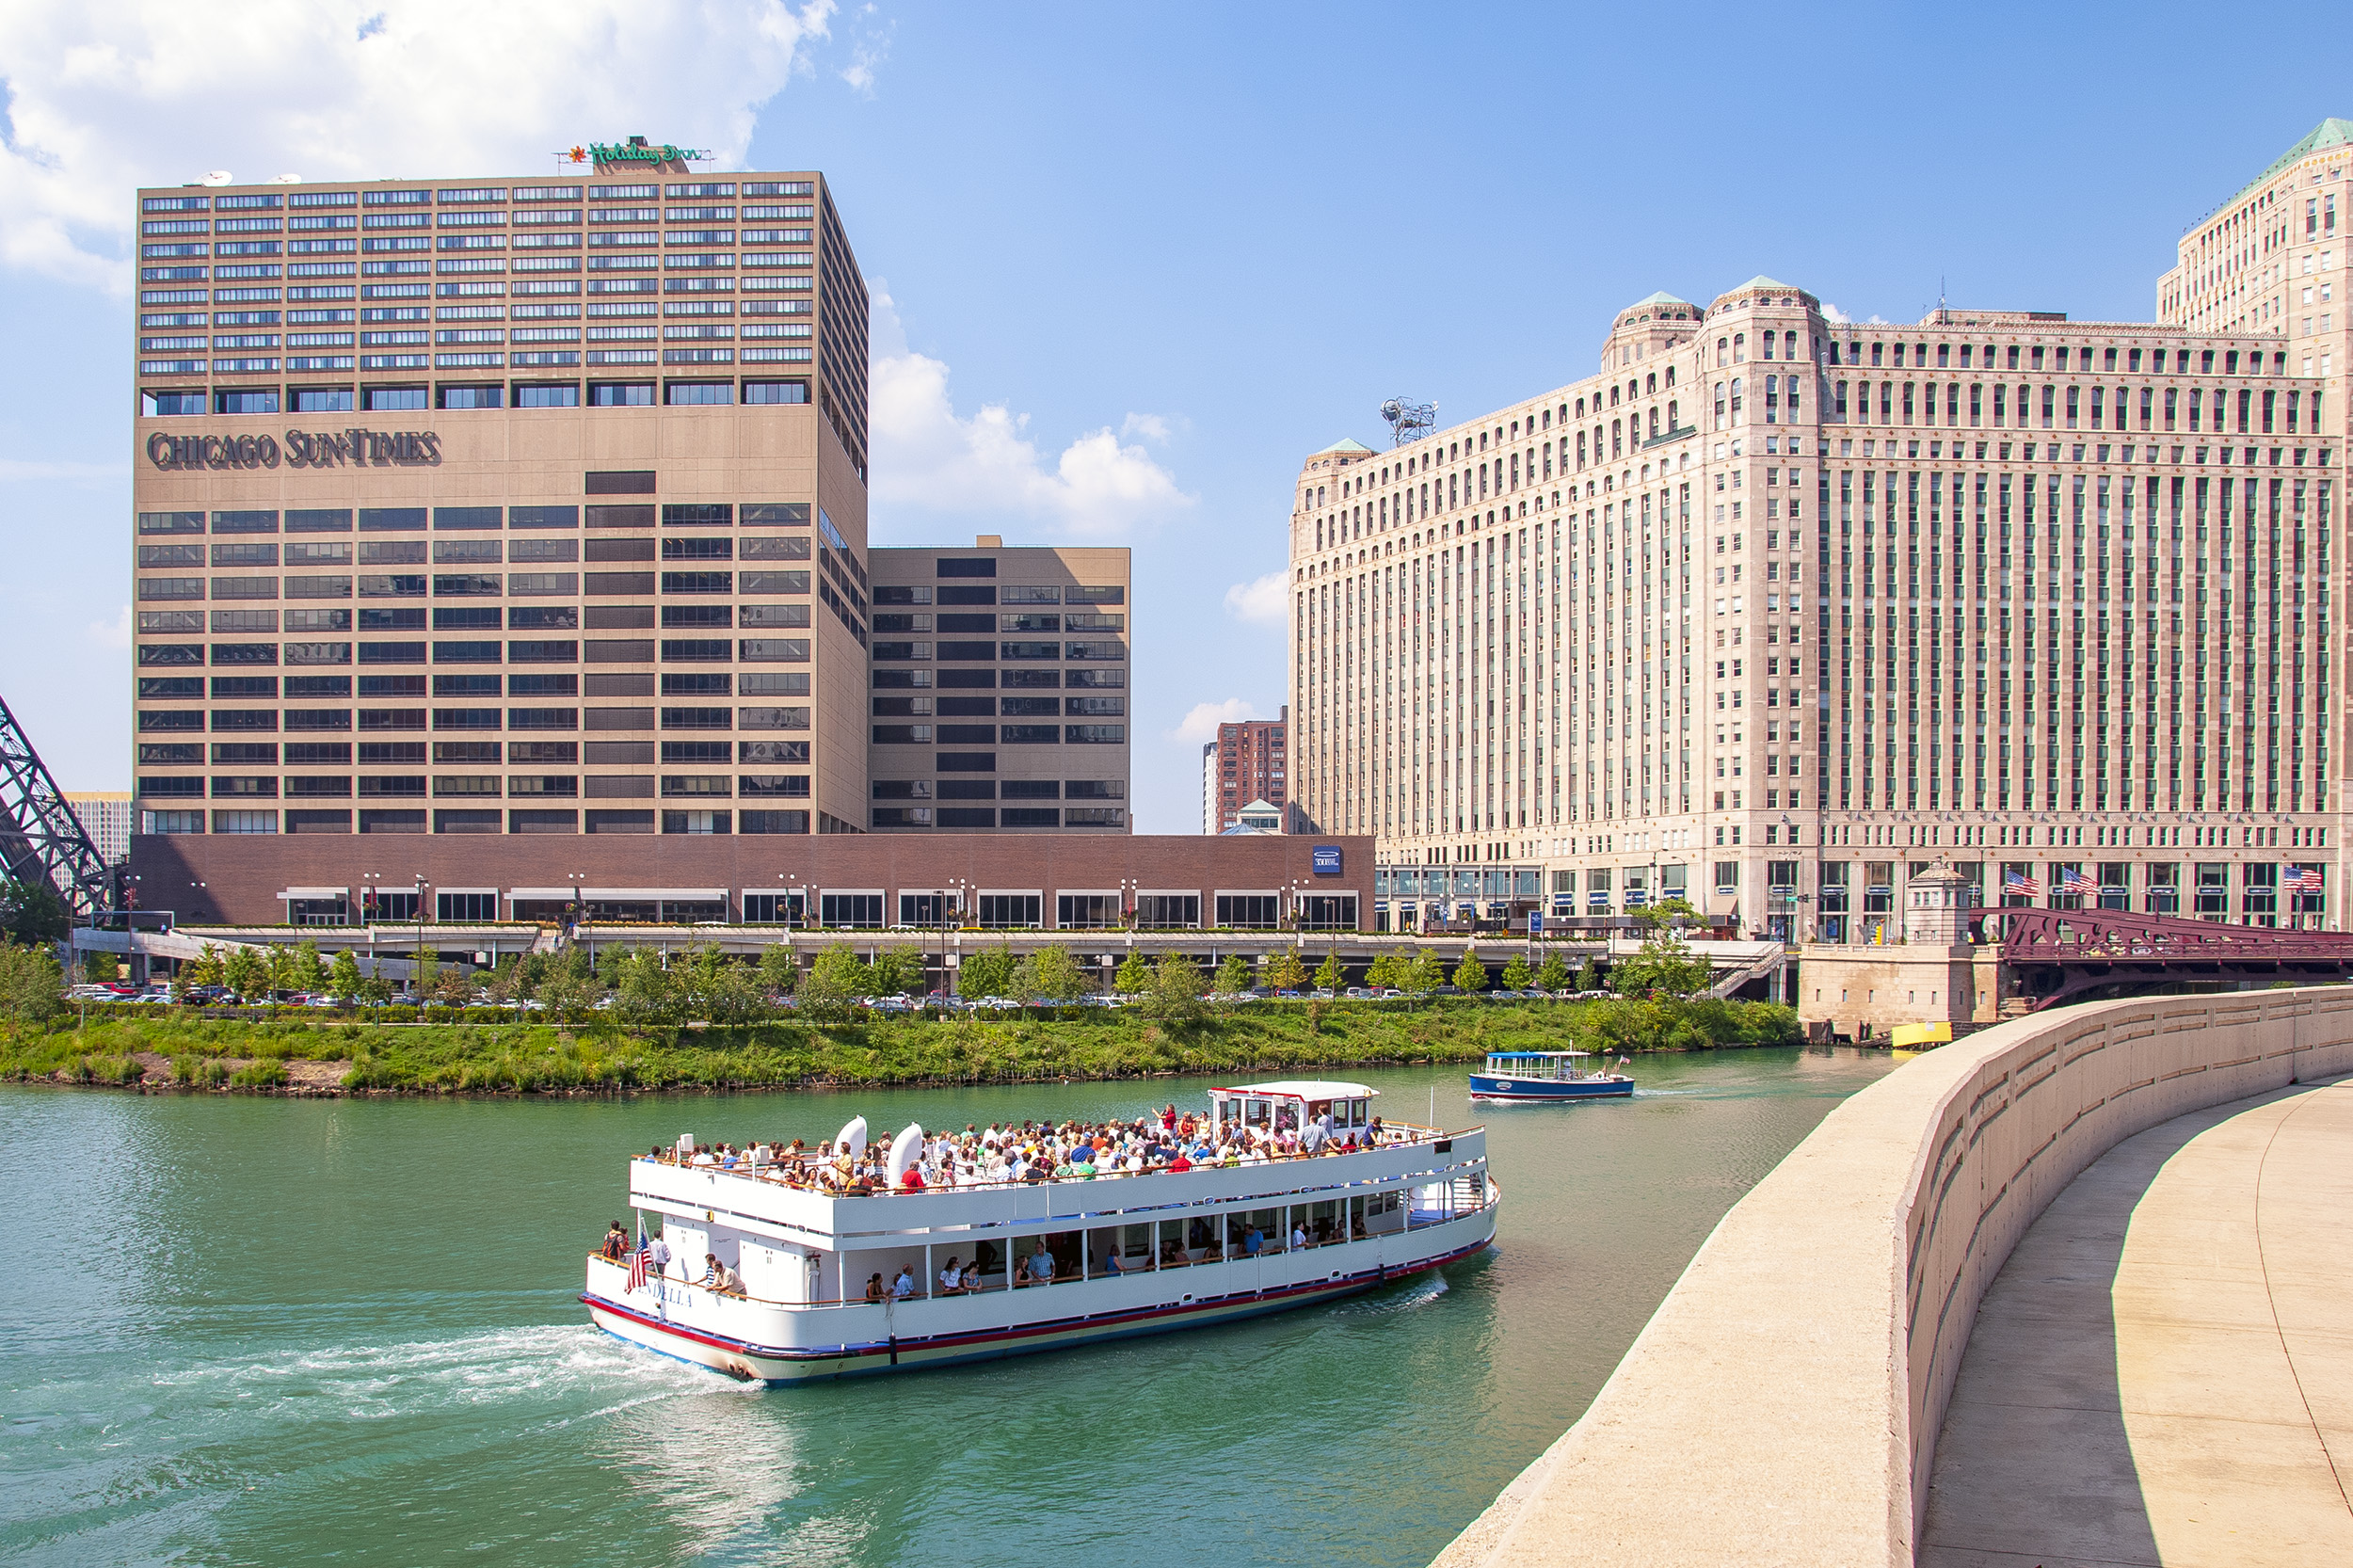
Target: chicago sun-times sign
300	448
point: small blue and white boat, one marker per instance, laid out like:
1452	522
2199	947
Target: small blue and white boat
1535	1075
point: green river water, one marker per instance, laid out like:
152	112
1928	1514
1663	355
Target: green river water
273	1332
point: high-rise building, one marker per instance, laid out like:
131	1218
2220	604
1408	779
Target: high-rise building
500	507
1248	762
105	816
999	689
1777	609
536	510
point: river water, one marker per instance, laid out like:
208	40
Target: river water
268	1332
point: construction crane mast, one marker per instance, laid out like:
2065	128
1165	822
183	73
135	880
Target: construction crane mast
41	838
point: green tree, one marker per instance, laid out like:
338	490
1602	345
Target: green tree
100	969
645	994
30	983
1383	971
375	989
1589	976
453	987
31	911
779	970
1515	973
1470	975
1668	909
424	972
208	967
1054	976
307	973
1330	976
243	971
567	986
508	980
1282	971
1665	967
1428	974
1233	974
342	977
897	971
1135	977
1552	974
987	973
1176	988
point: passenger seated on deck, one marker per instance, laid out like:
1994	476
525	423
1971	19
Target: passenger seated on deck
1041	1265
1252	1241
952	1279
875	1290
719	1276
904	1285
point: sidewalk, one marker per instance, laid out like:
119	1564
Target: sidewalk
2163	1370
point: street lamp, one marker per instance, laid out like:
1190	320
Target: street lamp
418	909
580	910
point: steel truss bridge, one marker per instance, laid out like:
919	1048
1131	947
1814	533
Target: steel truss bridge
41	838
2053	956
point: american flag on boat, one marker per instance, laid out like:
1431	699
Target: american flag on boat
2306	880
2021	885
2073	880
637	1260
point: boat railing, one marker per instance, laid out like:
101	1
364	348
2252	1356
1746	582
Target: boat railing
800	1175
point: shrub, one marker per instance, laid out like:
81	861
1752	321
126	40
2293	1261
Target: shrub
264	1074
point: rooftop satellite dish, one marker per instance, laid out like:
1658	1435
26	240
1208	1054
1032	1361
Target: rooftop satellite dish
285	179
220	177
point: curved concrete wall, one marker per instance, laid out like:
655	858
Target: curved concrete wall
1782	1404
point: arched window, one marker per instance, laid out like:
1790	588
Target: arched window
1767	342
1654	423
1740	348
1672	420
1671	377
1720	405
1736	400
1721	349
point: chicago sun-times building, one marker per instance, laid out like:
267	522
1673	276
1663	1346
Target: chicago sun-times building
501	545
1778	609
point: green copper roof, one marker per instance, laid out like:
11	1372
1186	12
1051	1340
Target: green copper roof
1759	282
1661	297
2329	133
1343	444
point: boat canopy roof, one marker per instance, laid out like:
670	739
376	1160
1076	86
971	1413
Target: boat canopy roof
1302	1089
1533	1055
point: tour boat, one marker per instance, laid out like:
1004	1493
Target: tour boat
1046	1263
1536	1075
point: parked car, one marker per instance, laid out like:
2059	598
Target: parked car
1359	993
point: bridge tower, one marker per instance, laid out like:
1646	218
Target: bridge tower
41	838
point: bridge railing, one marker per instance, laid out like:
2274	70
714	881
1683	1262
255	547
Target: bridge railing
1783	1403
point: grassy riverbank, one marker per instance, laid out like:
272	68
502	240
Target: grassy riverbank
330	1056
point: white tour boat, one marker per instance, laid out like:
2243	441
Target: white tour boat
1039	1263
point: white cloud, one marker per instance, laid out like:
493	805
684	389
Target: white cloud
928	457
115	633
871	48
1150	427
101	98
1263	598
1200	725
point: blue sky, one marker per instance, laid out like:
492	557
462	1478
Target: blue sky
1140	260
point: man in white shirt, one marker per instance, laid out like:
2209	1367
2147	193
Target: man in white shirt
904	1285
658	1254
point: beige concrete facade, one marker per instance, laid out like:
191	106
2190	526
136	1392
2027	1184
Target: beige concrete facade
1780	608
1795	1380
1001	693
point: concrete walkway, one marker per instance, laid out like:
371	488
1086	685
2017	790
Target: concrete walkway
2163	1370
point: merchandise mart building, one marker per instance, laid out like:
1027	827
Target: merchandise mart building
538	511
1777	610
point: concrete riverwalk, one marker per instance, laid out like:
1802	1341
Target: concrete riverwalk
2162	1372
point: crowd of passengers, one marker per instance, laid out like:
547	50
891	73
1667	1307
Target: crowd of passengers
1033	1152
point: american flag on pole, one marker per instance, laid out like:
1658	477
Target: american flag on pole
2307	881
2073	880
638	1261
2021	885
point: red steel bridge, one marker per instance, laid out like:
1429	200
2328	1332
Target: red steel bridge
2053	956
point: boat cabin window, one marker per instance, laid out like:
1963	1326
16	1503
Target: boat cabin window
1255	1112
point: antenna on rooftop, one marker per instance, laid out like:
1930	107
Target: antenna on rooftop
1409	421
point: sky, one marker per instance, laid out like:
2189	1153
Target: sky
1133	263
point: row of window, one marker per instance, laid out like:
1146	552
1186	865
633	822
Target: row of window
521	585
1035	593
566	651
156	403
330	754
329	201
250	721
404	786
986	679
474	520
461	820
1008	734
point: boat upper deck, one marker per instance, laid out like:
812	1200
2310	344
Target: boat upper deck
844	1188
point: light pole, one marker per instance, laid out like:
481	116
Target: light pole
418	909
580	910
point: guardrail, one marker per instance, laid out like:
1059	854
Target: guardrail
1794	1379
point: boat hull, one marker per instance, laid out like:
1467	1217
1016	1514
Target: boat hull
1489	1086
756	1342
